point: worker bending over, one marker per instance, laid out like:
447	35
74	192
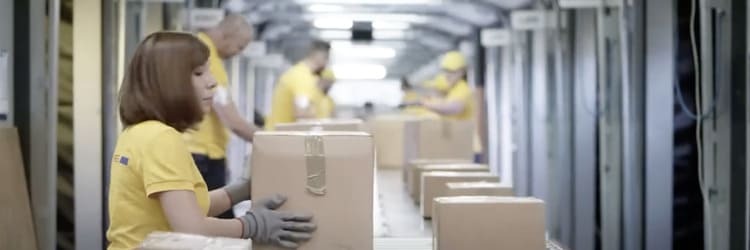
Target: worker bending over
208	140
326	107
297	94
154	183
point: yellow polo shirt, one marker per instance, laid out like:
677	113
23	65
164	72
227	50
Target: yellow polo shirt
297	82
462	92
150	157
210	137
325	108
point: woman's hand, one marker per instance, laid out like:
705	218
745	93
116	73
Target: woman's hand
265	225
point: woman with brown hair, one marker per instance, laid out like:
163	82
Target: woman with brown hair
154	185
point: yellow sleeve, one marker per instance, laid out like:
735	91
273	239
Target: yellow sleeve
459	93
166	164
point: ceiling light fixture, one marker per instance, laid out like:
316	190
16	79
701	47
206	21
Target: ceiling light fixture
360	71
364	52
357	2
333	34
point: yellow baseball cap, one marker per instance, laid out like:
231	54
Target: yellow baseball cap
453	61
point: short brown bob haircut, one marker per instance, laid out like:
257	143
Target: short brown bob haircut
158	82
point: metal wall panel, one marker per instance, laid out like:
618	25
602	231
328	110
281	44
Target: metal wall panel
660	77
6	51
584	129
507	145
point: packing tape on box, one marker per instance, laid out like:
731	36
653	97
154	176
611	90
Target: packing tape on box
315	162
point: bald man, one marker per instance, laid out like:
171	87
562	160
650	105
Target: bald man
208	141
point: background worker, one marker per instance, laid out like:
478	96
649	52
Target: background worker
208	141
154	183
326	107
297	93
458	102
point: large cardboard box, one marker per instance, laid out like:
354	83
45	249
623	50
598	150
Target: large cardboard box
433	185
445	139
323	125
415	178
174	241
395	139
480	188
329	174
489	223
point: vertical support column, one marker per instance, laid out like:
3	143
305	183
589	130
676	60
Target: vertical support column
633	122
492	94
506	144
521	113
43	118
715	105
539	155
87	123
584	129
6	63
610	127
660	78
563	128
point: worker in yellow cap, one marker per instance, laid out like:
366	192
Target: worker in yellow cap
326	107
297	93
458	102
207	142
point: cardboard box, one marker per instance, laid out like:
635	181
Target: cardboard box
407	172
323	125
16	225
489	223
330	174
173	241
395	139
478	189
445	139
433	185
415	178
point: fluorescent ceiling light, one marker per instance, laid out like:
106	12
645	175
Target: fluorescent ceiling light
389	34
387	25
399	2
364	52
325	8
333	23
360	71
369	16
334	34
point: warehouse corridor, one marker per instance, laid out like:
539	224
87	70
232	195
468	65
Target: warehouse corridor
375	124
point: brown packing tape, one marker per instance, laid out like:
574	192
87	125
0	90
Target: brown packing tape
315	163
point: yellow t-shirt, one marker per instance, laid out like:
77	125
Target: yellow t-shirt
325	108
462	92
150	157
210	137
297	82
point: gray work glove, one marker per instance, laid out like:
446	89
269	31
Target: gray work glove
265	225
238	191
